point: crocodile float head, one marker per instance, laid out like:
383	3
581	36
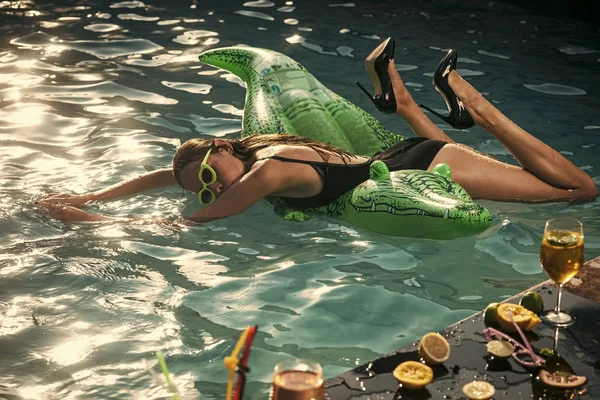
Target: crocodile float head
408	203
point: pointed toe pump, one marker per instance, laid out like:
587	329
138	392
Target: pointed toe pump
376	65
459	117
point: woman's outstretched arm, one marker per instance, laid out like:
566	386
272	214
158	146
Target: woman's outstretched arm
151	180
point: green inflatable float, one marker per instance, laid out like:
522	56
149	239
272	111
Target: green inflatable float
283	97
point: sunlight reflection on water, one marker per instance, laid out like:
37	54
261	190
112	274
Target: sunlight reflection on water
103	92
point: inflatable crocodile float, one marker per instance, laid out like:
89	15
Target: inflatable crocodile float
283	97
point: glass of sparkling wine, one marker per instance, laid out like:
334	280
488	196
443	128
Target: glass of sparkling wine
298	380
561	257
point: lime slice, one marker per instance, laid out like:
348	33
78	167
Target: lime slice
500	348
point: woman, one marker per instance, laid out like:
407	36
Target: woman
231	175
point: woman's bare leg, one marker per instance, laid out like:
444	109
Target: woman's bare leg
546	175
410	111
534	155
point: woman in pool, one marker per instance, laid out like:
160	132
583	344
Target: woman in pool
229	176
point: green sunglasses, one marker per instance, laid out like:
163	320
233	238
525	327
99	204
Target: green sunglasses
206	176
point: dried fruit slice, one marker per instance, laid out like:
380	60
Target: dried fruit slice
413	375
561	381
478	390
500	348
434	348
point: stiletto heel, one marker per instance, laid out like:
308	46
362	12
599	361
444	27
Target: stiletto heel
376	65
459	117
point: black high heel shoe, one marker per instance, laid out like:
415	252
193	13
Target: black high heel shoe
376	64
459	117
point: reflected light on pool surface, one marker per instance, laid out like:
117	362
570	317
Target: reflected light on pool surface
27	64
77	348
24	115
54	50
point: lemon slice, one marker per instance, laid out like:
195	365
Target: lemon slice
500	348
520	315
434	348
478	390
413	375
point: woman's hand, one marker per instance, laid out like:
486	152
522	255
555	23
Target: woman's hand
76	200
70	214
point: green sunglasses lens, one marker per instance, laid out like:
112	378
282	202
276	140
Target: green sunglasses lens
207	175
206	196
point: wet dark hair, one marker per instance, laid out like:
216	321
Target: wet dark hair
244	149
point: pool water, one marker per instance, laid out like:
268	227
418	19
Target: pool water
98	92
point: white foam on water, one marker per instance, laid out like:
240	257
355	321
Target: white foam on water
255	14
556	89
290	21
103	15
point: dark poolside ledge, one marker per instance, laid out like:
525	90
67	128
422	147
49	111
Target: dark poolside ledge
579	345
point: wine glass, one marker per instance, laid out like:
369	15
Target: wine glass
561	256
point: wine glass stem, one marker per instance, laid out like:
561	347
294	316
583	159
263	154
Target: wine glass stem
560	287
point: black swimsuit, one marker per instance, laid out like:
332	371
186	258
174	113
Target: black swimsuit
411	153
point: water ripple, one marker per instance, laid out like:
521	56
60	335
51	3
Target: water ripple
136	17
255	14
571	50
496	55
299	39
556	89
128	4
259	3
102	49
217	127
197	88
192	38
102	27
93	94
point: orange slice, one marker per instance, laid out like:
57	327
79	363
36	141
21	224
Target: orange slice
434	348
413	375
520	315
478	390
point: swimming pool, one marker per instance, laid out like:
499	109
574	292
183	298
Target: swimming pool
97	92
